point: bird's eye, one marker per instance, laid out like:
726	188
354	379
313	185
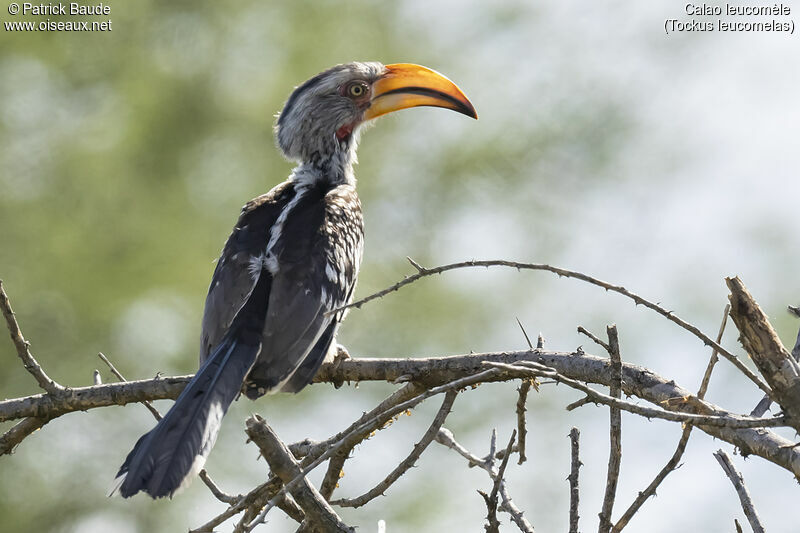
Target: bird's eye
356	90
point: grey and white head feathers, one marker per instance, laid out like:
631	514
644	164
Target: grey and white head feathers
306	130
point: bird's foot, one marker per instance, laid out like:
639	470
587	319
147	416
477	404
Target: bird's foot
341	355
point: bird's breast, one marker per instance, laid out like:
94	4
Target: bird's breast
344	233
318	236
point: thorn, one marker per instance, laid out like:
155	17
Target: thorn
416	265
540	341
524	333
96	377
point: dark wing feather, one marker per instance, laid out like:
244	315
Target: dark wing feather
305	373
307	370
234	279
296	318
317	266
230	288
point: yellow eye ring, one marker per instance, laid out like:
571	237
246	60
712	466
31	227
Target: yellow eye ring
357	90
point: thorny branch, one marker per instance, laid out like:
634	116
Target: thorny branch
574	490
445	438
522	431
409	461
674	461
422	378
528	368
561	272
23	347
281	461
615	430
493	524
11	438
738	483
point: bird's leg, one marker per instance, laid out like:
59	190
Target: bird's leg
339	354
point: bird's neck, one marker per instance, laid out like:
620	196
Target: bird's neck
332	168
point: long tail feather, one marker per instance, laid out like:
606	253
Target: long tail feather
168	456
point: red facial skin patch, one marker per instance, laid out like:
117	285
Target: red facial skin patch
345	131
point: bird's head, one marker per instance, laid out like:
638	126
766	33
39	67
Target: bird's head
321	120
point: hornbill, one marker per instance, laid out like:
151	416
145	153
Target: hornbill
270	315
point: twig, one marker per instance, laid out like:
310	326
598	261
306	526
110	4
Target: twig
642	497
561	272
286	504
408	462
255	514
574	491
527	368
594	338
701	393
615	452
332	475
455	385
762	406
738	483
120	377
445	438
23	347
673	462
522	431
11	438
264	494
490	459
85	398
579	403
513	511
218	493
523	390
354	436
493	525
282	463
251	499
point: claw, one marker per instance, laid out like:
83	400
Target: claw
341	355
